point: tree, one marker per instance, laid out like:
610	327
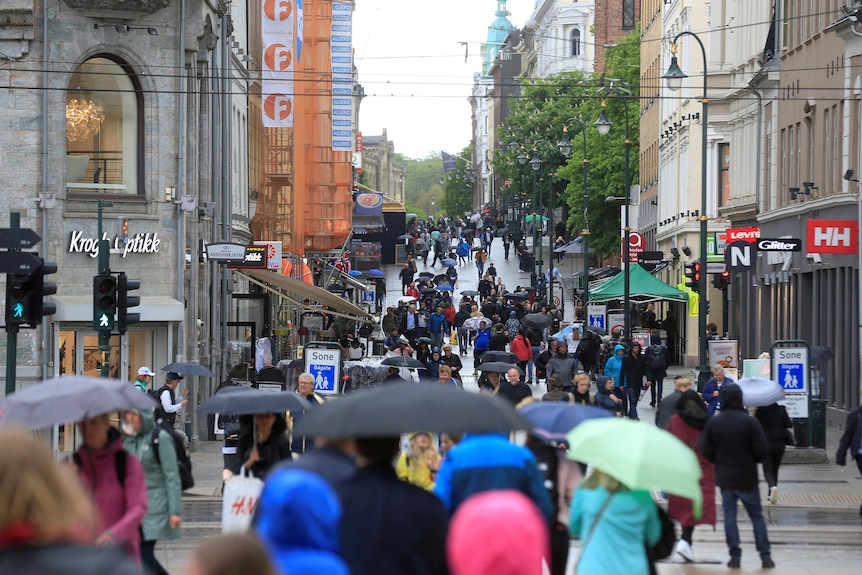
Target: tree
544	108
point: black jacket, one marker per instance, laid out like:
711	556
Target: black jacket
63	558
633	370
734	442
514	393
389	527
499	341
275	449
851	438
774	421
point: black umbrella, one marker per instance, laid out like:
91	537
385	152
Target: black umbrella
247	401
188	368
516	295
69	398
396	409
596	330
470	293
821	354
426	274
498	367
504	356
403	361
536	320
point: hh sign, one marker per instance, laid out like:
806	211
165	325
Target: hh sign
833	236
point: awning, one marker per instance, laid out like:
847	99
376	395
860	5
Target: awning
153	308
643	287
287	287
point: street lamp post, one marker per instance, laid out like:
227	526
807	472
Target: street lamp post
603	125
566	148
536	165
674	77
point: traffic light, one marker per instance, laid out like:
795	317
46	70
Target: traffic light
104	302
20	300
43	289
125	301
722	280
692	272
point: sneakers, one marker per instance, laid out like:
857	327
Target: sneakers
734	563
773	495
768	563
684	549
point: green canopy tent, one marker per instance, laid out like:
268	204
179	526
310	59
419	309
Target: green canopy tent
643	287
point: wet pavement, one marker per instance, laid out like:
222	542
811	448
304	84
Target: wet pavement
814	528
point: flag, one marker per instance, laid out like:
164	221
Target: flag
448	162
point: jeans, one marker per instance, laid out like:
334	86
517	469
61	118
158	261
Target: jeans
436	339
463	339
657	387
751	500
531	366
632	397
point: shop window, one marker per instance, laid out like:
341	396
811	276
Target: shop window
104	138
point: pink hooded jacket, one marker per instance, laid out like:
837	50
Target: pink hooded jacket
121	508
498	533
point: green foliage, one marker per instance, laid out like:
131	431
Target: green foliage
458	186
573	100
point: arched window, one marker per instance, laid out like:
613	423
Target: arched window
104	138
575	37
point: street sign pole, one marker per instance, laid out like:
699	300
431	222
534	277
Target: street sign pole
12	330
104	262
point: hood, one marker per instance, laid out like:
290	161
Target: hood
655	339
619	348
148	423
600	385
731	397
520	538
635	350
298	511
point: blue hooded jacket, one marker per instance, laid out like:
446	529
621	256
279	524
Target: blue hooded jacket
298	520
615	364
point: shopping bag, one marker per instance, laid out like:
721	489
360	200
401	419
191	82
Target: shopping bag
241	493
453	339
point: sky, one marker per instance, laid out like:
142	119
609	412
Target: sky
412	68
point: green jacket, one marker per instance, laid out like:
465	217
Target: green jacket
164	490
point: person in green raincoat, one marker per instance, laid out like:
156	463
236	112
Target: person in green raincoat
164	489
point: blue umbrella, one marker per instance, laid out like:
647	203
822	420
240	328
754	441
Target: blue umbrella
449	263
355	273
376	272
553	420
444	288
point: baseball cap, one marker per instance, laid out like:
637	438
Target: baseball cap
172	375
145	371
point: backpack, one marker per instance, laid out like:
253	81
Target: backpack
120	459
154	395
656	360
184	462
664	546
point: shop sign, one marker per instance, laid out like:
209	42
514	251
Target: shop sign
779	245
833	236
742	235
143	243
255	258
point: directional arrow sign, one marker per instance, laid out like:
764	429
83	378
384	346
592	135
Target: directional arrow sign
14	238
19	262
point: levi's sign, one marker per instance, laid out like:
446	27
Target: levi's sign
742	235
833	236
779	245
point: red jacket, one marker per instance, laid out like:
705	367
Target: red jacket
449	313
521	347
680	508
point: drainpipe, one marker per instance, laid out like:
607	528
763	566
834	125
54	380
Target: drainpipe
225	174
180	182
856	32
46	325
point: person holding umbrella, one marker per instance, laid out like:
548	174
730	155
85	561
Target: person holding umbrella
262	444
163	485
115	482
687	424
605	513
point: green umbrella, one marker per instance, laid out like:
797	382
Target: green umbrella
638	455
534	218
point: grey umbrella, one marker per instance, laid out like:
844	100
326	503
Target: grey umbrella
397	409
248	401
188	368
403	361
536	320
498	367
72	398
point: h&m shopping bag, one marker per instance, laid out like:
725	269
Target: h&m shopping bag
241	493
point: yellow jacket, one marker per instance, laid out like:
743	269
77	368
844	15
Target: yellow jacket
415	471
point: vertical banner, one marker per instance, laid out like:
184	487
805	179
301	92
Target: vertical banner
341	61
277	20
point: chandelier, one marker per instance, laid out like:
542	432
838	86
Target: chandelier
83	118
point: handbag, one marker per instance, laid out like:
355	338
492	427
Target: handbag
664	546
241	493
